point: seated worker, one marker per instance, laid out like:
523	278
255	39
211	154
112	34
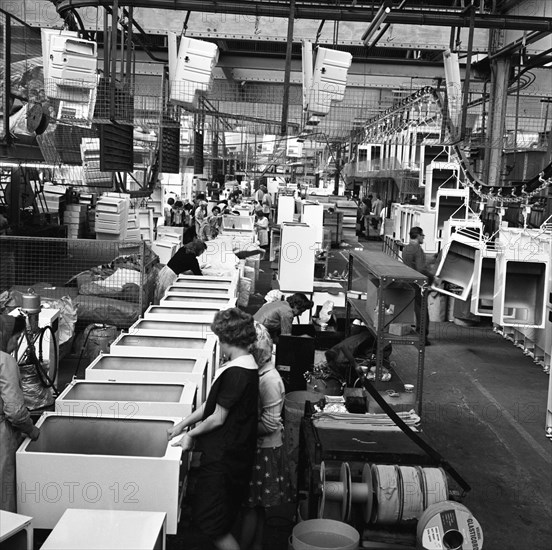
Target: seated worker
278	317
342	358
185	260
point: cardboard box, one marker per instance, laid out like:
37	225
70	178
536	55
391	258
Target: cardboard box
400	329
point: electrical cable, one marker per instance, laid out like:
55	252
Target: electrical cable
412	435
75	14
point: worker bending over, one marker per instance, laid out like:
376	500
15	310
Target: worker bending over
278	317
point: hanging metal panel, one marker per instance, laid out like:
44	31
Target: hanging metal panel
169	150
116	147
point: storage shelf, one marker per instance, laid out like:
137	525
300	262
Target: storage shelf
389	282
360	309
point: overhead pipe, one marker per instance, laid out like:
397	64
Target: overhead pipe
374	25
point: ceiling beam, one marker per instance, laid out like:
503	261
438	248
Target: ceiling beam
227	70
385	66
305	10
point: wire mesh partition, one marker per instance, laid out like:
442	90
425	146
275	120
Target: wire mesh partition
110	282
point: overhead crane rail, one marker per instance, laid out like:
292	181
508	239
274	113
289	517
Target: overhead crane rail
324	10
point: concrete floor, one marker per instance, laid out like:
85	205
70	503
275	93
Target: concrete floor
484	411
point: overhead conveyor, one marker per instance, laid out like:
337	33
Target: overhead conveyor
400	115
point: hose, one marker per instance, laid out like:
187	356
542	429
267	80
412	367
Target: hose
31	357
87	332
56	359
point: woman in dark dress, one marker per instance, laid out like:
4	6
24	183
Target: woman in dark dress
226	431
184	260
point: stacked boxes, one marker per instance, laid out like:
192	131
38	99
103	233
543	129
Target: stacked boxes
92	221
145	223
112	218
74	218
88	198
133	230
333	221
349	210
55	197
91	173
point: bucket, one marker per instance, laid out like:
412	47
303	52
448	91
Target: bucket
436	307
302	511
294	408
452	524
294	404
324	534
97	339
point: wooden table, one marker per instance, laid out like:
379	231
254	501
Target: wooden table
108	530
18	529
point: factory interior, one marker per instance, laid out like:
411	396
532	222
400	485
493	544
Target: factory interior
275	274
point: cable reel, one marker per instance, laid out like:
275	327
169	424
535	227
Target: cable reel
389	494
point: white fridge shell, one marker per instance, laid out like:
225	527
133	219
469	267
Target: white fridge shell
329	79
205	291
522	246
483	281
49	482
145	343
296	263
171	328
198	299
457	267
313	216
112	368
102	399
208	278
172	312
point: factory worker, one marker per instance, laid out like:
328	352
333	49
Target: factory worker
225	432
15	418
414	256
278	317
183	261
270	483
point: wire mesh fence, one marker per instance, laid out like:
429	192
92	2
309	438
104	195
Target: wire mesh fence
110	282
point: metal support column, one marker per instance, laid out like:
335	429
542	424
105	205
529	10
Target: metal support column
113	59
337	170
287	74
466	87
7	77
497	114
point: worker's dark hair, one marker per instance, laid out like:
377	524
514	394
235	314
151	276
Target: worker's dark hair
197	247
415	232
218	210
235	327
188	206
300	301
170	201
19	324
178	204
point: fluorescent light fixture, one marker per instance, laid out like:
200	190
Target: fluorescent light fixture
27	165
375	24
